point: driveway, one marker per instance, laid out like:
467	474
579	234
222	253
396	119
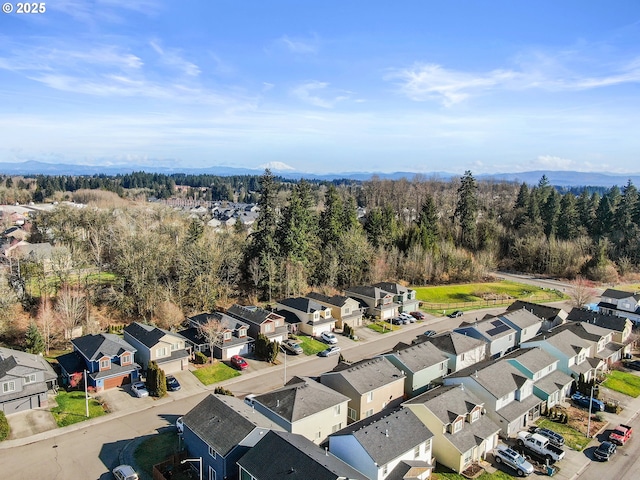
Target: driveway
25	424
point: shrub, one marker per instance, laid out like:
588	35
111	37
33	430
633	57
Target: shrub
223	391
200	358
4	426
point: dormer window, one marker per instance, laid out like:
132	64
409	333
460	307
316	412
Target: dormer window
125	359
475	415
242	332
227	336
316	316
31	378
105	364
457	425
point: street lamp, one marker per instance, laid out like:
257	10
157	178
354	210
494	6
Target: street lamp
199	460
284	382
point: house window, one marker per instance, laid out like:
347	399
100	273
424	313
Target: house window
335	428
369	397
105	364
227	336
30	378
352	414
457	426
161	352
347	311
416	451
368	413
268	327
8	387
125	359
242	332
475	415
212	473
212	452
336	410
244	475
468	456
175	346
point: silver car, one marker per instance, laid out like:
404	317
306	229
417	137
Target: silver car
510	457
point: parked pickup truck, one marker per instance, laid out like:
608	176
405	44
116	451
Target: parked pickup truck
621	434
540	445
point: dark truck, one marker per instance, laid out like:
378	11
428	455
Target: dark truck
539	446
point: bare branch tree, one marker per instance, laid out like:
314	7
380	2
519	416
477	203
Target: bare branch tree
70	307
211	331
581	292
168	315
46	319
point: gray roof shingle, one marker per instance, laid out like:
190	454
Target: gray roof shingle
101	345
369	374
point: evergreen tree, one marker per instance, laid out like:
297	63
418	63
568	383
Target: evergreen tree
550	211
331	218
298	226
33	339
428	223
466	210
568	218
587	205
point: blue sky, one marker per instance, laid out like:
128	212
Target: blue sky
325	86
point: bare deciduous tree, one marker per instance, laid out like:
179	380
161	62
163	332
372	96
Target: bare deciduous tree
581	292
168	315
46	319
70	308
211	331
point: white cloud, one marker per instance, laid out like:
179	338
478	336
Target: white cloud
299	45
550	162
173	58
305	92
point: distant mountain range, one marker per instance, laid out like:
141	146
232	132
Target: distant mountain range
556	177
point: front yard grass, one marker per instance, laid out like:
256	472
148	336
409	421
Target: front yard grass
72	409
573	438
382	327
623	382
157	448
215	373
311	346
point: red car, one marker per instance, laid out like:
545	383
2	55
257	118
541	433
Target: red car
239	362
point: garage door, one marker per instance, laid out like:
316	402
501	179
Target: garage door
114	382
237	350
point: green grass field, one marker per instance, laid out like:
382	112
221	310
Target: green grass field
311	346
382	327
572	437
623	382
72	408
215	373
157	448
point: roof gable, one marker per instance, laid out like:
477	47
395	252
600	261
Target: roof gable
97	346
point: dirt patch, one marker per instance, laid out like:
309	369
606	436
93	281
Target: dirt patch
579	420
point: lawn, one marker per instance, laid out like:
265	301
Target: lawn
382	327
157	448
72	408
311	346
215	373
572	437
475	295
623	382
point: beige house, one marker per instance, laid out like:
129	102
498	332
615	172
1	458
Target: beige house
343	309
371	385
462	433
154	344
314	318
305	407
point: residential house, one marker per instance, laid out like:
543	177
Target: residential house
422	365
550	384
387	445
345	310
621	326
461	350
371	385
507	393
551	317
108	360
25	380
220	430
500	336
314	317
305	407
374	301
602	344
525	323
261	321
287	456
155	344
403	296
233	338
462	433
572	351
621	303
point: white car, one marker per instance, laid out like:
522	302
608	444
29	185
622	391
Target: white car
329	338
139	390
125	472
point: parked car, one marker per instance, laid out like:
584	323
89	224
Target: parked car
429	333
539	445
333	350
180	425
125	472
329	337
408	318
621	434
604	451
239	362
554	437
139	390
455	314
292	346
397	321
172	383
633	365
583	401
418	315
510	457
